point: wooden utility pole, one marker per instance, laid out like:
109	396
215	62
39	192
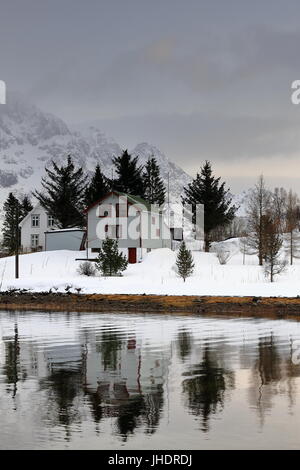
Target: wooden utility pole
17	245
169	200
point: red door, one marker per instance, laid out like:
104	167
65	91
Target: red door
132	255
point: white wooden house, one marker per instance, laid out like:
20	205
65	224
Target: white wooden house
39	233
33	228
136	225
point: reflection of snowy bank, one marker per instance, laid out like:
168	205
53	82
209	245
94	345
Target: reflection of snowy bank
2	349
117	377
125	350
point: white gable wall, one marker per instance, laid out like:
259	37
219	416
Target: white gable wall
27	229
144	221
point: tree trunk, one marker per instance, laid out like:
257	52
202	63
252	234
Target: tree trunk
272	274
206	244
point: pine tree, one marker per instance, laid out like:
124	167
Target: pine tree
13	216
97	188
26	206
184	262
63	198
206	189
110	262
154	188
129	175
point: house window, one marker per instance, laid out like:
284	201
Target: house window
123	210
158	232
108	229
119	231
51	221
153	220
105	210
35	221
34	241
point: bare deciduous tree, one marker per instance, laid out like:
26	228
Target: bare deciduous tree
258	205
245	249
279	203
274	264
291	222
234	229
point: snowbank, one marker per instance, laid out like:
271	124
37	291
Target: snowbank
155	275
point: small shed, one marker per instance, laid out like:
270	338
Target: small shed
65	239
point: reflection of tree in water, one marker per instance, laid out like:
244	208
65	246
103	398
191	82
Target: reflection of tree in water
96	404
206	387
153	407
184	344
272	372
12	367
139	410
293	372
64	387
108	345
269	361
130	415
266	374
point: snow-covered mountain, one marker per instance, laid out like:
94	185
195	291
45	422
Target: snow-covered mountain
31	138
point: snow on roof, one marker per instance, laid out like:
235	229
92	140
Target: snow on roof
72	229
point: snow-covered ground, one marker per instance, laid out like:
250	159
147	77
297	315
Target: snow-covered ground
154	275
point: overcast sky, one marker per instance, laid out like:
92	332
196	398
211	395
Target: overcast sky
199	79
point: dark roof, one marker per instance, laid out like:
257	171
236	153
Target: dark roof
137	200
131	198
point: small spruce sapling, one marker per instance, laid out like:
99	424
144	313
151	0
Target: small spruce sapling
110	261
184	262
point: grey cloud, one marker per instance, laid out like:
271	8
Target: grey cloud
199	79
197	136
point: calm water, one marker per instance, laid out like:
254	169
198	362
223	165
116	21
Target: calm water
160	382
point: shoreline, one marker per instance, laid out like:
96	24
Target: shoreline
275	307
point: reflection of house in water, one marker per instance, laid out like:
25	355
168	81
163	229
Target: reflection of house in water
125	382
2	351
67	356
121	379
119	366
118	377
